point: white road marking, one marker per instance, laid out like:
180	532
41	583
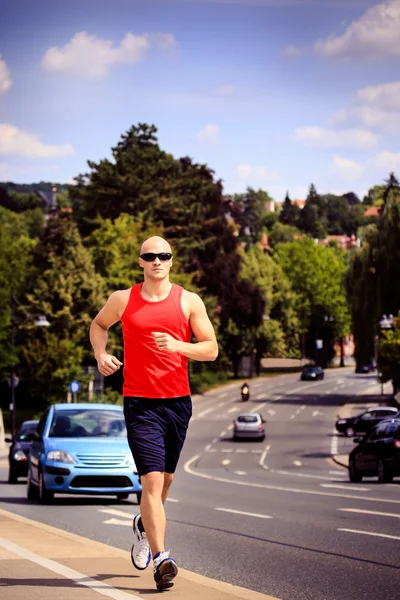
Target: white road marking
338	473
383	535
271	412
344	487
260	396
334	443
227	450
223	395
256	451
117	522
81	579
222	434
226	461
258	408
207	447
215	440
117	513
370	512
240	472
240	450
233	409
205	412
306	475
263	457
298	463
246	514
317	413
277	488
212	450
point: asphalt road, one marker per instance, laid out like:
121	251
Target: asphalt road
276	516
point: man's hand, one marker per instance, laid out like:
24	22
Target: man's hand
165	342
107	364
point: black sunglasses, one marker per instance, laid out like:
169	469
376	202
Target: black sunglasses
151	256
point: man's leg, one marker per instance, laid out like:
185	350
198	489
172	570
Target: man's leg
152	509
168	479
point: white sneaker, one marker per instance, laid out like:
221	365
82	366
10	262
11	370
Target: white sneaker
165	570
140	553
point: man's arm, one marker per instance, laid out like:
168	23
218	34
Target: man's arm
108	316
206	348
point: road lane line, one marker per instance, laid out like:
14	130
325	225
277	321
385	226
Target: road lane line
338	473
306	475
370	512
97	586
263	457
188	469
226	461
344	487
208	410
114	521
246	514
297	463
383	535
240	472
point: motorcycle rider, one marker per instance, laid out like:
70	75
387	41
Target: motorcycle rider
245	389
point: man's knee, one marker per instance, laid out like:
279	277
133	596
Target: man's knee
152	483
168	479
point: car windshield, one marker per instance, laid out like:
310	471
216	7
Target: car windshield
88	423
247	419
25	431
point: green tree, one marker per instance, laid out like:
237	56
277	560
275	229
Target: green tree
68	291
290	212
280	234
317	276
389	355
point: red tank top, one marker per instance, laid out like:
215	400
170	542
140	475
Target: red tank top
149	372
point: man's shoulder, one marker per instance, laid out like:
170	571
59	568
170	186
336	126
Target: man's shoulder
191	297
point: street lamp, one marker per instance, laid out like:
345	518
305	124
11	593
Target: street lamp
39	322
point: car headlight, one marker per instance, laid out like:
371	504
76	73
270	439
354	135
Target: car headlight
60	456
129	461
20	456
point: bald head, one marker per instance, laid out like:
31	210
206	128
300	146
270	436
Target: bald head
155	244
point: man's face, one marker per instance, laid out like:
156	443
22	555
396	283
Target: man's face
156	269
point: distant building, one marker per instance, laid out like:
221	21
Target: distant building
342	241
299	203
264	244
373	211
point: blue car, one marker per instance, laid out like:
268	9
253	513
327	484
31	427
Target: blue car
81	449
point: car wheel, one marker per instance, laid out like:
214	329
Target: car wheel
139	497
123	496
45	496
354	475
349	432
31	490
383	475
12	478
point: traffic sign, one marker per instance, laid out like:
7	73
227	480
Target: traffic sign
74	387
16	381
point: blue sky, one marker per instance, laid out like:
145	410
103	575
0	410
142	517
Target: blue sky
269	93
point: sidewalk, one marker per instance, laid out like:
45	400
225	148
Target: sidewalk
40	562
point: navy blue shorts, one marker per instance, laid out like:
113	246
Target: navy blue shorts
156	430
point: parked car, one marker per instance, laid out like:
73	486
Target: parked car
312	373
377	453
81	449
365	421
19	451
249	425
366	368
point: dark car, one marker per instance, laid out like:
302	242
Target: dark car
377	454
312	373
19	451
366	368
365	421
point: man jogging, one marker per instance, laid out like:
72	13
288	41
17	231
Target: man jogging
158	319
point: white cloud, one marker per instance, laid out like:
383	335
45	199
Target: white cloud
376	106
376	34
348	168
388	161
292	52
88	56
385	96
225	90
318	137
5	77
210	133
256	173
21	143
